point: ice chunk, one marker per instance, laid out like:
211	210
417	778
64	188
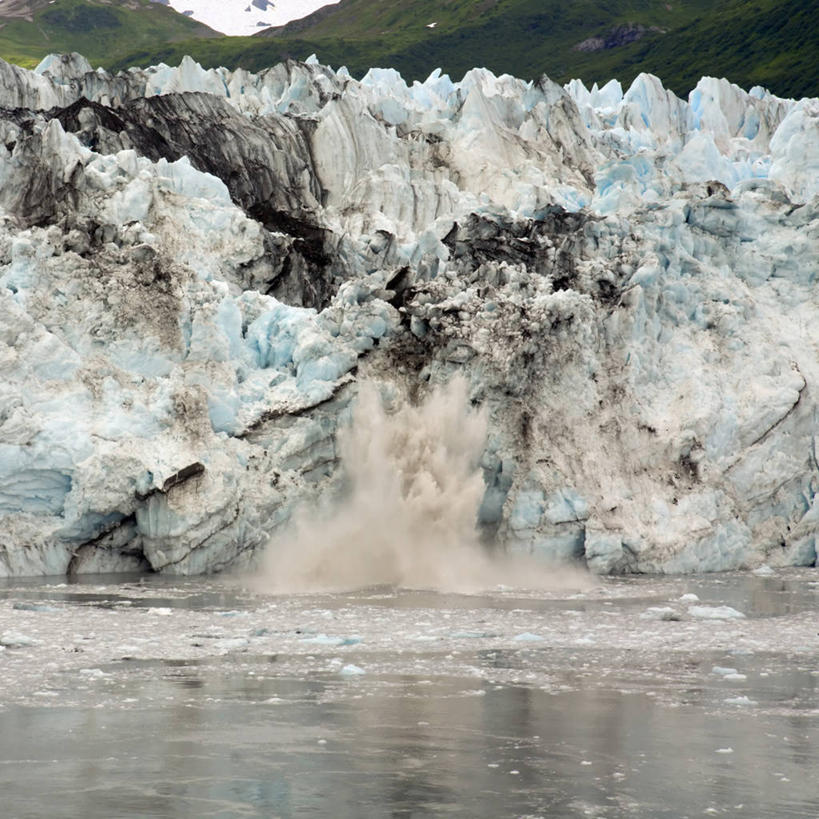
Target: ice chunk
93	673
764	571
729	674
528	637
233	644
323	640
34	607
15	639
742	700
715	612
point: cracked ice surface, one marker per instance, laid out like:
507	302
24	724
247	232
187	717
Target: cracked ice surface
626	279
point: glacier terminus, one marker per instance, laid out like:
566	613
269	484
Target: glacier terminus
201	269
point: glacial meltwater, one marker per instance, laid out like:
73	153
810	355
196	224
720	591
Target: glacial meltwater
637	697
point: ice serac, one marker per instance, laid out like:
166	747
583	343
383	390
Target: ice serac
198	268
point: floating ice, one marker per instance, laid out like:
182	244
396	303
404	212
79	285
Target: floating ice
325	640
34	607
715	612
15	639
93	673
232	644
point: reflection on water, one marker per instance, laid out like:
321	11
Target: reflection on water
202	742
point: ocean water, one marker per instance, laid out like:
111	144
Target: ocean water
205	697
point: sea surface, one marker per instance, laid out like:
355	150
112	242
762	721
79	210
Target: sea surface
637	697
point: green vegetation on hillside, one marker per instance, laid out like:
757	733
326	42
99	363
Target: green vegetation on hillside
774	43
768	42
100	30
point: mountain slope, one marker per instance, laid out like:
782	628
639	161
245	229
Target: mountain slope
30	29
770	42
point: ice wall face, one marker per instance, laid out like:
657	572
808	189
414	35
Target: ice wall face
199	268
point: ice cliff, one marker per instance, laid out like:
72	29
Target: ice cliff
199	268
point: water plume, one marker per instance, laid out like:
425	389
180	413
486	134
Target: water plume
408	515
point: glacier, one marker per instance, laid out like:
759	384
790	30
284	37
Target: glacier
199	269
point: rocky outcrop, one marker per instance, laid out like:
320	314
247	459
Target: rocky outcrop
198	270
621	35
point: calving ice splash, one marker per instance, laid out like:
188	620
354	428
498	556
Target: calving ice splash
626	281
408	509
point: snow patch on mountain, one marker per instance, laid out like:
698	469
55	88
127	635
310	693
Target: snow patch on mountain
245	17
198	268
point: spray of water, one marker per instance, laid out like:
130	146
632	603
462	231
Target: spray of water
409	516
